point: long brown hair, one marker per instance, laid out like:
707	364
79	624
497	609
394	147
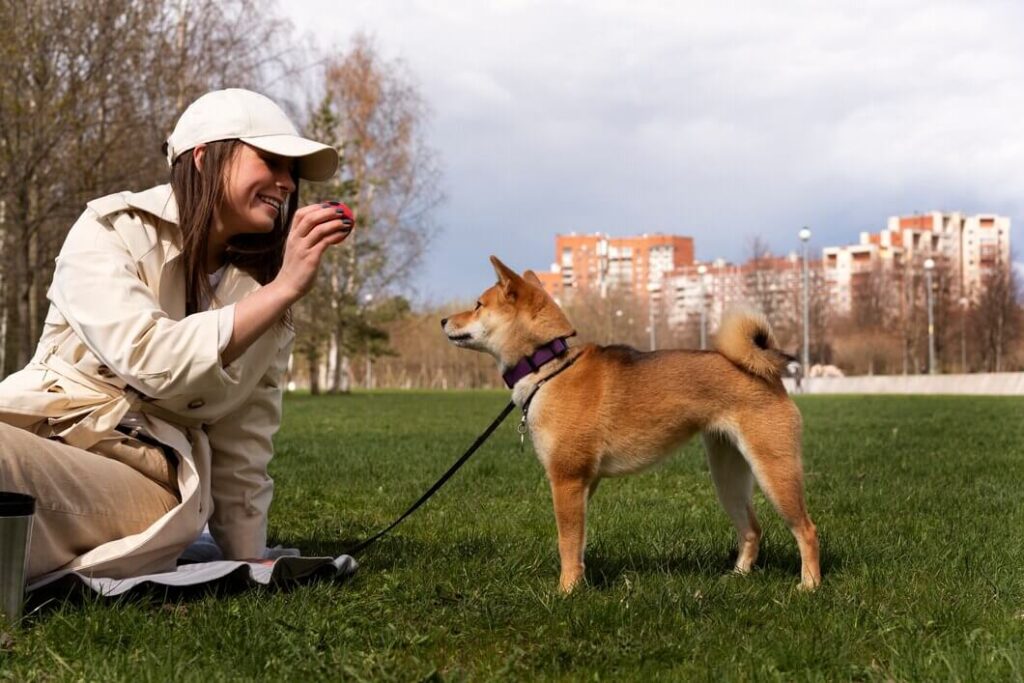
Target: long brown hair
198	196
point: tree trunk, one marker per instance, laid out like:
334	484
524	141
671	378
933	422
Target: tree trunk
344	385
23	292
11	324
34	328
999	341
3	327
313	361
341	382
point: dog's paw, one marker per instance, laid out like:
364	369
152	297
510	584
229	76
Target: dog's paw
567	585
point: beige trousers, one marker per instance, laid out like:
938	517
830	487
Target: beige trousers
85	498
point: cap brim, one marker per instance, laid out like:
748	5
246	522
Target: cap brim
315	161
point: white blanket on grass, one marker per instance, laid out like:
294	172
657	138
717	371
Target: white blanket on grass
206	566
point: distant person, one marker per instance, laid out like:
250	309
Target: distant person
148	408
796	371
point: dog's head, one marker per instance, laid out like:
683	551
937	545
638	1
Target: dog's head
511	318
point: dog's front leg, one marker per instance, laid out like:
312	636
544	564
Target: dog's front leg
570	498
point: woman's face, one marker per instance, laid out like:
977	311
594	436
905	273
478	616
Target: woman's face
256	189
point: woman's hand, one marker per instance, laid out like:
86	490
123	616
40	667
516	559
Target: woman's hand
314	228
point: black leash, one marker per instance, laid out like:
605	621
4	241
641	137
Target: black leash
440	482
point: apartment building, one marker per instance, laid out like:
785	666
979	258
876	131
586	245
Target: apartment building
966	247
597	262
662	267
772	284
984	246
848	270
711	286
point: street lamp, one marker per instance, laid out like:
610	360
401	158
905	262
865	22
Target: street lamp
929	266
701	271
651	288
963	334
805	236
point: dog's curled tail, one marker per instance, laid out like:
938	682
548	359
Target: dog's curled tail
746	338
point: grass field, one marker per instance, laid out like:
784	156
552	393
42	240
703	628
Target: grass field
918	502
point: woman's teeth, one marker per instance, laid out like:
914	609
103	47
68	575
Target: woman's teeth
271	201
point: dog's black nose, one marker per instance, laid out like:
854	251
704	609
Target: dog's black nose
444	321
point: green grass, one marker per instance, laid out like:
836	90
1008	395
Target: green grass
918	502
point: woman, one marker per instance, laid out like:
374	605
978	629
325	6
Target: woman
148	408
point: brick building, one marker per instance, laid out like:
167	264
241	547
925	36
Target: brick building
597	262
662	268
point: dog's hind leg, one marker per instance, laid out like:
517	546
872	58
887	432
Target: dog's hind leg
734	484
772	447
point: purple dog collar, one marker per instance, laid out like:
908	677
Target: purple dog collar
528	364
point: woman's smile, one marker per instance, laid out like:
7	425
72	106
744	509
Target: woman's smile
273	202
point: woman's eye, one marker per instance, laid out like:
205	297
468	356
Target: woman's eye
278	163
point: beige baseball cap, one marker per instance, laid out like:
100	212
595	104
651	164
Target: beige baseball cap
255	120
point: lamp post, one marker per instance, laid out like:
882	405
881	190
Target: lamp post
929	266
701	271
651	288
805	236
963	334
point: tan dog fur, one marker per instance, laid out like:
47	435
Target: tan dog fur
617	411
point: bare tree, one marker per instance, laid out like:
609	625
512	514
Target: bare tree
91	89
875	313
760	278
619	317
997	317
423	356
820	314
391	179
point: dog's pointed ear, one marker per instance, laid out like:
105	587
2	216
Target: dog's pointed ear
532	278
507	278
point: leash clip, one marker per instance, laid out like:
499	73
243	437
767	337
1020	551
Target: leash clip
522	429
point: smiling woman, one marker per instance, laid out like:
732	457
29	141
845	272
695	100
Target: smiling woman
257	187
148	409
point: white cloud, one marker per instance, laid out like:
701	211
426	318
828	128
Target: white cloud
716	120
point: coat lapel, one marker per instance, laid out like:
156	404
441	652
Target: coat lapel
163	267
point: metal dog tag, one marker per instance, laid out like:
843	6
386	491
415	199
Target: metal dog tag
521	428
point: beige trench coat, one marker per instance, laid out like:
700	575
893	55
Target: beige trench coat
116	339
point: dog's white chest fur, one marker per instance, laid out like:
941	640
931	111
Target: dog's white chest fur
542	442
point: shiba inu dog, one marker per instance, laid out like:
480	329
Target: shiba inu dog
604	411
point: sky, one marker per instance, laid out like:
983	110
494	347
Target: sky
722	121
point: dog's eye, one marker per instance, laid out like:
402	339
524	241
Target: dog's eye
478	305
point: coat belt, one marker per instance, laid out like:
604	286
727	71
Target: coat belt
113	404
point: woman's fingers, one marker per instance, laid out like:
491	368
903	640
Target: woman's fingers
308	217
343	210
326	229
329	241
314	229
304	219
